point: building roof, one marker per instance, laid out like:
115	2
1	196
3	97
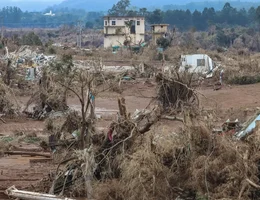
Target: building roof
111	16
160	24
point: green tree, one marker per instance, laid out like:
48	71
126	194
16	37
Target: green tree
222	39
257	14
197	20
31	39
120	8
252	14
156	17
89	25
163	42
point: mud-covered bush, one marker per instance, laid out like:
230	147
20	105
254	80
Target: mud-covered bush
244	80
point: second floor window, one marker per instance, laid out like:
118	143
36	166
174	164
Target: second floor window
138	23
113	23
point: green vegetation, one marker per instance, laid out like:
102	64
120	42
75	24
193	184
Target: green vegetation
31	140
184	20
245	80
7	139
31	39
14	17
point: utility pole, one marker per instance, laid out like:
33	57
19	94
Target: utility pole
2	26
79	33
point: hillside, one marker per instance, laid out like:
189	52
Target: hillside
104	5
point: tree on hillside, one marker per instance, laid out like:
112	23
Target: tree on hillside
257	14
197	20
31	39
156	17
251	14
119	9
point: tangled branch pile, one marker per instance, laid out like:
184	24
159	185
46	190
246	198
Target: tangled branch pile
175	93
192	165
138	160
8	103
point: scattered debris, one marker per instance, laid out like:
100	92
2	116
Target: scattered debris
248	127
174	93
14	193
27	153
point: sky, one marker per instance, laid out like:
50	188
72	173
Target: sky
47	1
40	5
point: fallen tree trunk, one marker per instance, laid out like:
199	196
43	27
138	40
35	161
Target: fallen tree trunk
14	193
27	153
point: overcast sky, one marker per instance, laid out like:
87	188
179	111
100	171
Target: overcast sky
48	1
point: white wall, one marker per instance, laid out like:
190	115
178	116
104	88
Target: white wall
190	61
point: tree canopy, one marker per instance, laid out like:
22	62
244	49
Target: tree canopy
182	19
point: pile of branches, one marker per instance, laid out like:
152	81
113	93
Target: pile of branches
49	97
104	156
192	165
175	93
136	162
8	103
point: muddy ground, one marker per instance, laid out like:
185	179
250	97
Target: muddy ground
230	102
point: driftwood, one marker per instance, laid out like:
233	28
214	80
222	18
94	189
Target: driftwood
14	193
27	153
41	160
174	118
2	120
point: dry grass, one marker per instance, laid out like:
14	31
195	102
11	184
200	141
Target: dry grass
192	164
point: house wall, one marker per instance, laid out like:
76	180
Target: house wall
115	30
118	40
156	37
191	61
160	29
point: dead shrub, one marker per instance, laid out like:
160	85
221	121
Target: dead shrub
176	92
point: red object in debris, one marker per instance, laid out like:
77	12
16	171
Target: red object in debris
229	133
110	134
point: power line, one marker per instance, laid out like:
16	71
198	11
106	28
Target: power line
2	26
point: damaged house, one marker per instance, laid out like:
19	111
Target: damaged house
123	31
197	63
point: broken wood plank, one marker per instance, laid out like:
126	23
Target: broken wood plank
15	148
14	193
19	179
27	153
2	120
40	160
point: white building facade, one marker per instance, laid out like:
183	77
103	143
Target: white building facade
123	31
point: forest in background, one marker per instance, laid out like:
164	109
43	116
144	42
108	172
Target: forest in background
181	19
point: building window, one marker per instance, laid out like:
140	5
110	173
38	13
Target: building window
105	23
200	62
138	23
161	26
113	23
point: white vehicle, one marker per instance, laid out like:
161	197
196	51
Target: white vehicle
197	63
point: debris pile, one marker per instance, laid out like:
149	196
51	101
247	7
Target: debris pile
8	103
27	62
175	93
